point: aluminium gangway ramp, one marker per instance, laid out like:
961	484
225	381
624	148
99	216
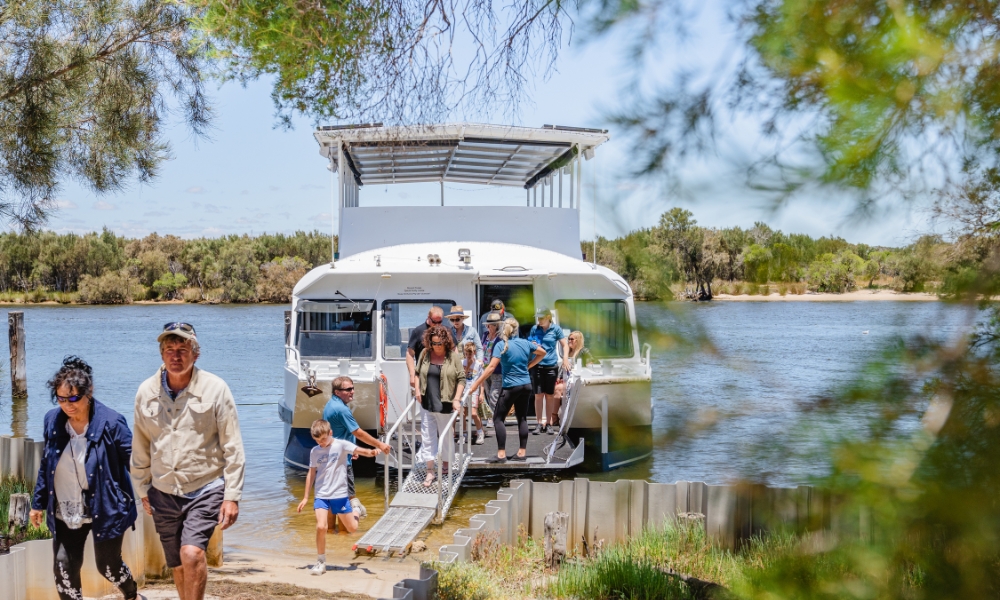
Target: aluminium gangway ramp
414	506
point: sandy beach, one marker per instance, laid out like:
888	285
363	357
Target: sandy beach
855	296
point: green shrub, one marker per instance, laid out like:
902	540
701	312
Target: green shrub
618	573
464	581
113	287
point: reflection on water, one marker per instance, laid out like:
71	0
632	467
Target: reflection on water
770	356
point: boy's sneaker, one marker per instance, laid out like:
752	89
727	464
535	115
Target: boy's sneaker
480	438
360	508
318	569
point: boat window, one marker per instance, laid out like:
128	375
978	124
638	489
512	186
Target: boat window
607	330
335	329
399	317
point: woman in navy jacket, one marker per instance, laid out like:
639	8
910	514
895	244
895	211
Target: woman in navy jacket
83	482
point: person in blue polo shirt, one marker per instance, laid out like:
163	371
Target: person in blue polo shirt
516	356
543	377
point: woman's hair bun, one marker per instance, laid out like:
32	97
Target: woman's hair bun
75	362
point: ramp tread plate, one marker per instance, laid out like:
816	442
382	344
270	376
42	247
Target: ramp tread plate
396	530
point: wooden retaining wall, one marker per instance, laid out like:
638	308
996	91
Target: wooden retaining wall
614	511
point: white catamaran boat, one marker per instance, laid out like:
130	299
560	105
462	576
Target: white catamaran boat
353	316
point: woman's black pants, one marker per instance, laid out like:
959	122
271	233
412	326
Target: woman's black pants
517	397
67	547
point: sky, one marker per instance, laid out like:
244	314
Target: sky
250	176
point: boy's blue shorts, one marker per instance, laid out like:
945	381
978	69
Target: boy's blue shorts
337	506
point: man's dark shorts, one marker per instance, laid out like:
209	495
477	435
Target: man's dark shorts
185	522
350	481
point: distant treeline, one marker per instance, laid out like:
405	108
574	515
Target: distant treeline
104	268
674	258
678	257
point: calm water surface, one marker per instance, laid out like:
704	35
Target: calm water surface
767	357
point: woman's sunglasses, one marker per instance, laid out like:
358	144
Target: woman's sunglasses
437	343
68	398
177	325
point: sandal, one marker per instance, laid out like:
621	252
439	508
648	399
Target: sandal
429	480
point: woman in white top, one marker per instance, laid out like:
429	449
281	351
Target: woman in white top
83	485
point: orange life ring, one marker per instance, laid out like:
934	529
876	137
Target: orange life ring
383	400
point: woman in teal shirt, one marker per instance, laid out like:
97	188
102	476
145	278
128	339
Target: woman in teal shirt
516	356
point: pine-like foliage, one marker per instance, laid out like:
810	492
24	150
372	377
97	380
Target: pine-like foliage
85	88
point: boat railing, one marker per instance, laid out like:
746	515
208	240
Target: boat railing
464	441
409	415
570	394
294	352
646	350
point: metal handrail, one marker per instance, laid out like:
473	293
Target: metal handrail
409	413
569	408
463	437
646	349
298	357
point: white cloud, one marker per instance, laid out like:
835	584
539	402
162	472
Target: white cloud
65	204
211	231
211	208
322	217
156	213
102	205
195	189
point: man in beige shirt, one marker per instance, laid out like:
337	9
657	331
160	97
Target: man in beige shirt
187	456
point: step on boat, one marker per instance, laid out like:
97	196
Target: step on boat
353	315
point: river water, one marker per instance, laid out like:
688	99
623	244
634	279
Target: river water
741	390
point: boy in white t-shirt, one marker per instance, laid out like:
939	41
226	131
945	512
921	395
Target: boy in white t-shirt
328	469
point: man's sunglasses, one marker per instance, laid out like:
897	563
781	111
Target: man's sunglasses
350	389
68	398
177	325
437	322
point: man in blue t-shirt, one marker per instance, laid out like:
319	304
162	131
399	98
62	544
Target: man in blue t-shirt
344	427
543	377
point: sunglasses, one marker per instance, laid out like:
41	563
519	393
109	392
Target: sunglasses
350	389
68	398
437	343
178	325
456	319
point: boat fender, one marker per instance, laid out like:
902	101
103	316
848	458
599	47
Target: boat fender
383	400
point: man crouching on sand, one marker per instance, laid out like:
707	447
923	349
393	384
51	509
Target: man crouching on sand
187	456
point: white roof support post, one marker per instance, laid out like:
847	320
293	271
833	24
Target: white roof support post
442	192
339	209
560	187
552	191
572	176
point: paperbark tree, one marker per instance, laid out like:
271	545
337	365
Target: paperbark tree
85	90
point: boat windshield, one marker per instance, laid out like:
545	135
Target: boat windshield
400	317
605	324
335	329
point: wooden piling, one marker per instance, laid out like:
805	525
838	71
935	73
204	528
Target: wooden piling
18	368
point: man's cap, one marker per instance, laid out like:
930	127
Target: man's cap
496	304
543	312
185	331
493	318
456	311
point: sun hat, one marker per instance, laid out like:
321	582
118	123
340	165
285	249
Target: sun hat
456	311
493	318
185	331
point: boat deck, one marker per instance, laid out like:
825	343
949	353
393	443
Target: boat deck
566	454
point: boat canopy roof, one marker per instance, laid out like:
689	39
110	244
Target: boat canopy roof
461	152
